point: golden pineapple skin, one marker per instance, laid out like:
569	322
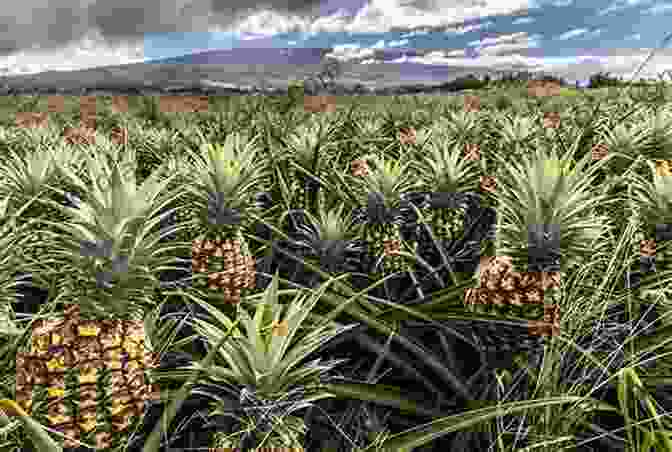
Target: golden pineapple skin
85	349
228	268
505	290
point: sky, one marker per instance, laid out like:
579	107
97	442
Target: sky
421	38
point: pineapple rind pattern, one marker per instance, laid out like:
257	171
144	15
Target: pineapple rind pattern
73	365
513	294
229	265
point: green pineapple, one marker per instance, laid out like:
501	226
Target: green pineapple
384	185
305	144
447	224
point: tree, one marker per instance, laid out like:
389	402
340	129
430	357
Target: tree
324	80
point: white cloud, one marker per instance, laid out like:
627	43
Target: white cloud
351	52
463	29
398	43
452	53
500	39
618	5
562	3
522	20
508	47
659	9
572	33
343	47
92	50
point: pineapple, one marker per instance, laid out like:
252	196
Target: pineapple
384	186
508	292
551	120
90	356
472	103
224	191
82	135
446	174
305	145
85	352
599	151
119	135
28	119
407	135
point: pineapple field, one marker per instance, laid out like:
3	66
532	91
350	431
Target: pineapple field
482	272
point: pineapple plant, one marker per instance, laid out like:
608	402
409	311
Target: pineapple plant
222	192
273	380
653	200
539	200
445	175
384	185
329	242
87	368
26	177
306	163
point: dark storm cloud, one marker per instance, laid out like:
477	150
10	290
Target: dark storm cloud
51	25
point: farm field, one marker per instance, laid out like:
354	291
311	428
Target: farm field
329	274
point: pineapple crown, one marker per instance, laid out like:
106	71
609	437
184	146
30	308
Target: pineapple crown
444	169
107	241
227	178
389	177
654	198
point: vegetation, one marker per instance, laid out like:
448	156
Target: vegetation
426	274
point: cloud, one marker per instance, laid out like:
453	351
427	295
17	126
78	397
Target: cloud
619	5
34	24
523	20
659	9
572	33
508	38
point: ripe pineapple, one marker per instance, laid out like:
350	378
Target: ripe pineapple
472	104
663	167
82	135
82	362
119	135
31	120
599	151
551	120
224	191
507	292
407	135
